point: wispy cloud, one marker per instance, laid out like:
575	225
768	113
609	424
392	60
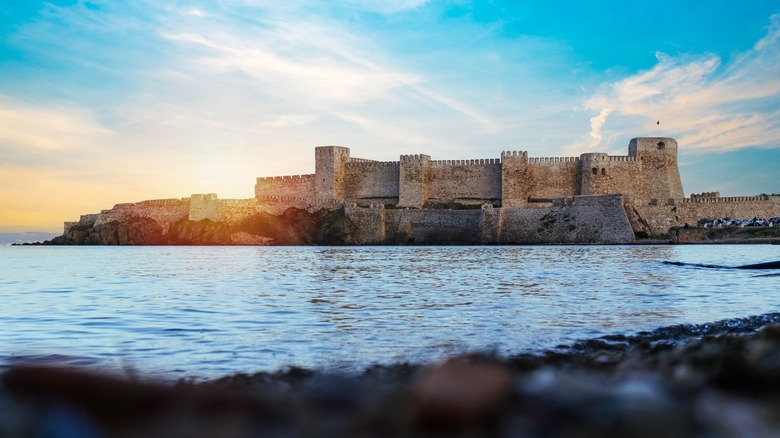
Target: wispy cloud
385	6
705	102
47	133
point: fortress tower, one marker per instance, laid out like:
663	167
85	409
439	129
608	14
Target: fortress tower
514	187
649	171
329	165
660	174
413	180
598	177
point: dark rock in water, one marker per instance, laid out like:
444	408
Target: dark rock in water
768	265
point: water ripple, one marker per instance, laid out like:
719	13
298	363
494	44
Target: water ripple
213	310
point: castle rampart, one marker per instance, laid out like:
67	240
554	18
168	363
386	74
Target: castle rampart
293	185
478	182
547	178
372	182
592	198
658	215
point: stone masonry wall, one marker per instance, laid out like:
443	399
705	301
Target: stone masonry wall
464	181
294	185
660	177
537	179
602	174
164	211
371	182
657	216
413	180
551	177
514	168
579	219
329	171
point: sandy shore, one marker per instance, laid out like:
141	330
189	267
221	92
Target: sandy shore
712	380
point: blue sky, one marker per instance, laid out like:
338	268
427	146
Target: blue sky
104	102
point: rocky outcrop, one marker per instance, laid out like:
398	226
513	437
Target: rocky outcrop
293	227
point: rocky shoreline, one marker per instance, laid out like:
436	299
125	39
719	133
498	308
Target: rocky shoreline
712	380
327	227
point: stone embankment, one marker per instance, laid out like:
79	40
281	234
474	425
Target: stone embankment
717	380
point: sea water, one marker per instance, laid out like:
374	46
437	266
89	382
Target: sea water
203	312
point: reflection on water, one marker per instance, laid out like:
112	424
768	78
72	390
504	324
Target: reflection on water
215	310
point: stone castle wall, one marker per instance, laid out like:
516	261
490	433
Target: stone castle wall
551	177
603	174
580	219
657	216
371	182
467	182
515	180
161	210
301	186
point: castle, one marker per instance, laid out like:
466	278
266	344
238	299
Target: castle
649	171
593	198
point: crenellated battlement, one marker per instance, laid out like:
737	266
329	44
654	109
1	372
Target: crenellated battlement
172	202
298	199
621	158
475	162
415	157
371	164
706	195
758	198
514	154
551	160
163	202
285	178
598	157
324	151
594	156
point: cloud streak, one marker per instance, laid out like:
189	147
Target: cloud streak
707	103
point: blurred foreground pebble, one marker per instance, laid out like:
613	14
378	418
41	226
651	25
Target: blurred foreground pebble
693	381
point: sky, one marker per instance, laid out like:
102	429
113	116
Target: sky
104	102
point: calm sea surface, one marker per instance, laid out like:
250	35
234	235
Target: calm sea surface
176	312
